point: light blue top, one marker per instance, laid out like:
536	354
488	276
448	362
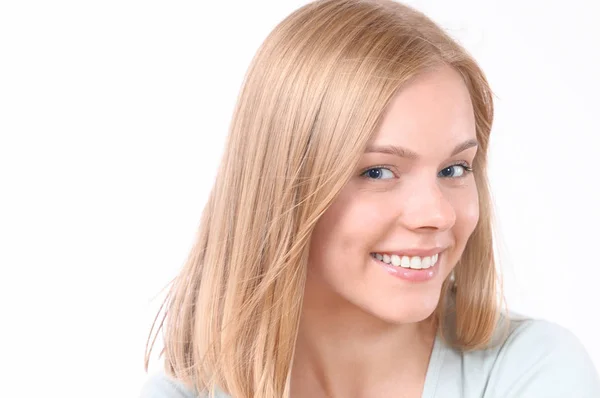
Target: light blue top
538	359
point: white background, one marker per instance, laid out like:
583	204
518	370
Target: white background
112	119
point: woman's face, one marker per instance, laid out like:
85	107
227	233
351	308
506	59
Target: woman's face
400	225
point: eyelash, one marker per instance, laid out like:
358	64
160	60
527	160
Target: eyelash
468	169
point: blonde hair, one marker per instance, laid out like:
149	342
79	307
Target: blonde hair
311	100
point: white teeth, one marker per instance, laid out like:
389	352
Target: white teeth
414	262
405	262
426	262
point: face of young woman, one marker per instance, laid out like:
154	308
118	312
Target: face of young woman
400	225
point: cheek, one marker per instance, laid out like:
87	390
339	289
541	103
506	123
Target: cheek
467	213
349	227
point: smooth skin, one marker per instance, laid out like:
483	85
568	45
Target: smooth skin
363	332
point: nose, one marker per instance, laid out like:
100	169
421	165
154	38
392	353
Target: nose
425	206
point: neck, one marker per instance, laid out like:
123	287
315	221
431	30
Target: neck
342	351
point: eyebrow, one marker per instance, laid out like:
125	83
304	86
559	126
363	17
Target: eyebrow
407	153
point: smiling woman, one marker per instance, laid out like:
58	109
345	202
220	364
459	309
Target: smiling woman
346	247
412	198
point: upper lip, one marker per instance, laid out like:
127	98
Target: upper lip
415	252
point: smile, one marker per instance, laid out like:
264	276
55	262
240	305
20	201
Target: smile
414	262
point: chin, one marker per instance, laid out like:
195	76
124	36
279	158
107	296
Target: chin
412	315
408	310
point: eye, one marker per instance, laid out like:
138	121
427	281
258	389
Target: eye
378	173
455	171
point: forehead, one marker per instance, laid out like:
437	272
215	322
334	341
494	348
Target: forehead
433	110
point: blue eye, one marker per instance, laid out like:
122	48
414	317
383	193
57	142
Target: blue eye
378	173
455	171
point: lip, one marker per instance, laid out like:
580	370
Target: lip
415	252
412	275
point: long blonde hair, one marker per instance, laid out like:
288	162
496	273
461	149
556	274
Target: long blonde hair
311	100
